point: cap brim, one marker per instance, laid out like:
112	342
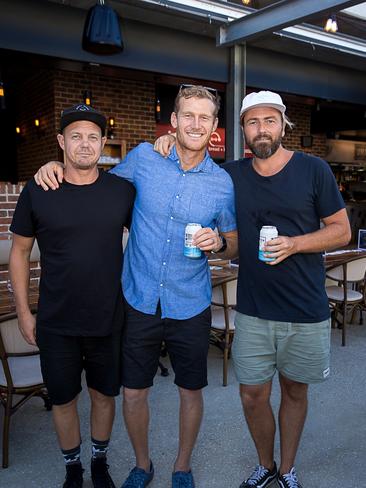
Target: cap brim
76	116
280	108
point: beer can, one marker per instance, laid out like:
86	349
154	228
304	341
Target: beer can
267	233
191	251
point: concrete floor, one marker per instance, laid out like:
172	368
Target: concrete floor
332	452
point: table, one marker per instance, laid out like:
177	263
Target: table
222	272
341	256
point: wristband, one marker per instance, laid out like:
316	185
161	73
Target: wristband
222	248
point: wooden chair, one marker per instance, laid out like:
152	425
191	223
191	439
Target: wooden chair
349	292
223	313
20	374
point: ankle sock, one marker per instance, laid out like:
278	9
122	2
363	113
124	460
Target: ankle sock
99	448
72	456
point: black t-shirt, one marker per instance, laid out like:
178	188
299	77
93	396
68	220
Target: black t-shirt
79	230
294	200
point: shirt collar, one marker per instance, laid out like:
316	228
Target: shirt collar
205	165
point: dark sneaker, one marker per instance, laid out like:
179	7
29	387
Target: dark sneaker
74	476
260	477
99	473
289	480
139	478
182	479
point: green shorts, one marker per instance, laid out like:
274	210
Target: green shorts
299	351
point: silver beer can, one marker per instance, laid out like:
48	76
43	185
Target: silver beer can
191	251
267	233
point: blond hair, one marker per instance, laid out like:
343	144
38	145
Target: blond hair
198	91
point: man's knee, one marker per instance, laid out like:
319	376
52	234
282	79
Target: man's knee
64	408
134	398
190	396
99	399
294	390
252	396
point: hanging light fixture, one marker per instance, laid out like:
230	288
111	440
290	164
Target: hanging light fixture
102	34
331	24
2	96
157	110
87	97
111	126
245	2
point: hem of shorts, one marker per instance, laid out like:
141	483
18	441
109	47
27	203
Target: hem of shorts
254	383
305	382
66	401
191	387
133	387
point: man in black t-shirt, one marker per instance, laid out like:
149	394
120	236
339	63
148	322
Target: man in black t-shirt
79	231
282	320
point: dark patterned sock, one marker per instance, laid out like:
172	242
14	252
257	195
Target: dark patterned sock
71	456
99	448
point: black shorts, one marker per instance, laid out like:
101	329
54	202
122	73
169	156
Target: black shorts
63	359
187	342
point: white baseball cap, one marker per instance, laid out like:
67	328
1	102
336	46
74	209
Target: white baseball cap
262	99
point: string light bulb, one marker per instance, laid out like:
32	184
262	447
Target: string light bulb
36	122
245	2
17	130
331	24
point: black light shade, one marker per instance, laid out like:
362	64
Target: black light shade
102	34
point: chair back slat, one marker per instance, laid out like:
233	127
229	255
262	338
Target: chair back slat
218	293
12	339
355	271
5	246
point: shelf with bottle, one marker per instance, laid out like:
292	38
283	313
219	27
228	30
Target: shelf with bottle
113	151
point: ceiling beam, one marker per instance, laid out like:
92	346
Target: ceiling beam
275	17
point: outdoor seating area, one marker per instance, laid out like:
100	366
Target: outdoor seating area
331	454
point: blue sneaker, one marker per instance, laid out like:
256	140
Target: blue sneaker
139	478
182	479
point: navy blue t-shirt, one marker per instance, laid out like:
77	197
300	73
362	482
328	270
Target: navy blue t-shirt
79	230
294	200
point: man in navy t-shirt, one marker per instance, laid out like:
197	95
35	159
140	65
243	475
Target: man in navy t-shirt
282	320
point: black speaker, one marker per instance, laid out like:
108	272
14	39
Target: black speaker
102	34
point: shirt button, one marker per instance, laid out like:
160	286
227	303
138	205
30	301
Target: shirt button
161	284
183	174
176	196
168	240
171	218
164	263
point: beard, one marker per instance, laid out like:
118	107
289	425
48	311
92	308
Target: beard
264	149
84	166
79	164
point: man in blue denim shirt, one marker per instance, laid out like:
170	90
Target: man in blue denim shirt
167	294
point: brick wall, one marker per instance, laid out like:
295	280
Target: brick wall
299	114
130	102
45	94
35	99
8	198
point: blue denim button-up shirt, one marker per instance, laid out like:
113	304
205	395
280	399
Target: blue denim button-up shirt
167	198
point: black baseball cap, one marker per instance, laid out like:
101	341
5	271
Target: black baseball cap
82	112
